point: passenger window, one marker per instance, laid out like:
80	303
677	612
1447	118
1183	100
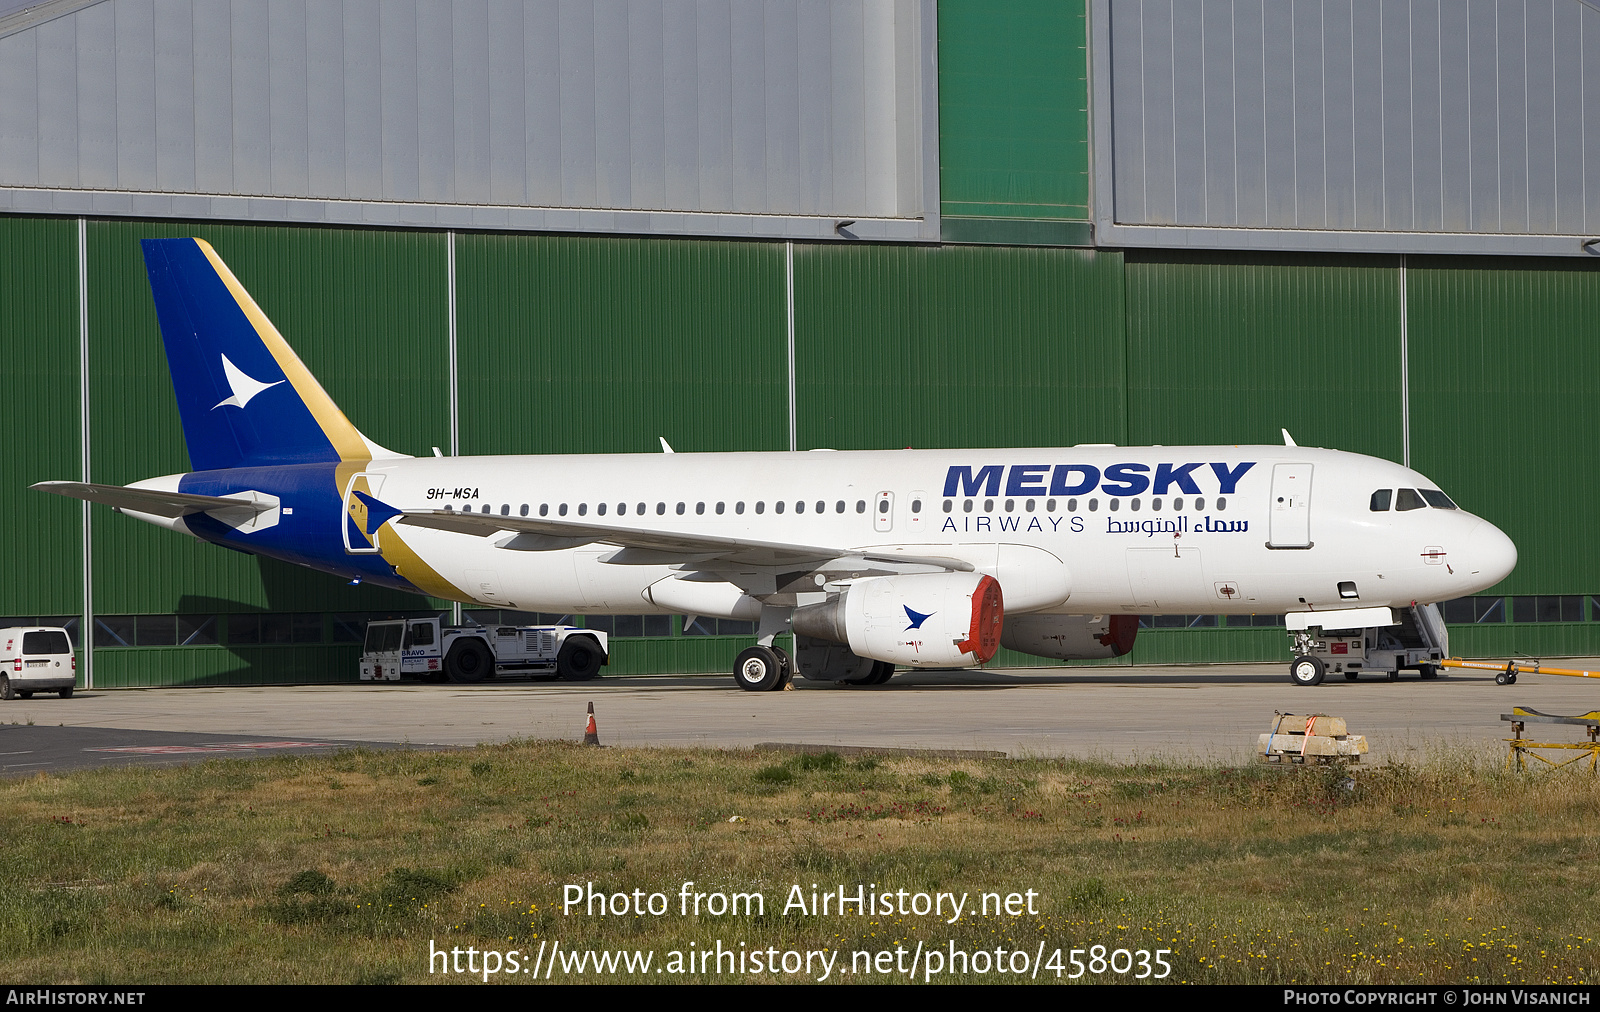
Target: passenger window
883	505
600	510
1028	506
720	507
524	509
966	506
583	509
1177	503
1222	503
861	505
800	507
1094	505
680	509
822	507
761	507
1155	504
988	505
1010	505
1408	500
563	509
738	507
1072	505
916	505
1050	505
639	509
1380	500
949	504
777	507
661	509
622	509
1134	505
1200	503
544	509
699	509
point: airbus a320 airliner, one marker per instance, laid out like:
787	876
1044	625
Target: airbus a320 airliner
922	558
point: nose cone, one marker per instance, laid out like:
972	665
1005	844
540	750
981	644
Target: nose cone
1490	555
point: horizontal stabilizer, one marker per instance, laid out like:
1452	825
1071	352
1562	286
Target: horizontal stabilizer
149	500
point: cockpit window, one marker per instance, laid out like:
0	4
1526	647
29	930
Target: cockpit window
1437	499
1409	500
1380	500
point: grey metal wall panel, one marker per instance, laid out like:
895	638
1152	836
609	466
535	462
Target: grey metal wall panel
96	114
788	108
57	97
19	119
1351	115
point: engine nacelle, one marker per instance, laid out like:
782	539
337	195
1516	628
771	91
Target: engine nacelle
922	620
1071	637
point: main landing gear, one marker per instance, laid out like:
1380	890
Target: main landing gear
763	669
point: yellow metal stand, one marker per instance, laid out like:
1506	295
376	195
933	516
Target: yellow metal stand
1522	748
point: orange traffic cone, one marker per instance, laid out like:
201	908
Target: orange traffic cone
591	734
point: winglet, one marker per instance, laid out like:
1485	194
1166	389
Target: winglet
665	447
1288	440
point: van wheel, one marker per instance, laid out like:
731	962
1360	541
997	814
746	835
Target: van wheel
21	694
66	693
6	692
579	659
469	661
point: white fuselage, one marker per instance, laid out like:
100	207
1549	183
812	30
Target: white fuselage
1270	538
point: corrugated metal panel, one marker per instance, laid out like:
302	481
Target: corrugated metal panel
1013	109
959	346
141	667
1323	114
365	310
1505	358
787	107
591	345
41	536
1223	349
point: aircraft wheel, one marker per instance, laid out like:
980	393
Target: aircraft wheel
469	661
758	669
882	671
66	693
788	667
6	692
1306	670
1351	676
579	659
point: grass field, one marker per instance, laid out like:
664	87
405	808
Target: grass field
352	868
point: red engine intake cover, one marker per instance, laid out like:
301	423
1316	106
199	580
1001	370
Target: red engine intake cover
988	615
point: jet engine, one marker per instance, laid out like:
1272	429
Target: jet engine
922	620
1071	637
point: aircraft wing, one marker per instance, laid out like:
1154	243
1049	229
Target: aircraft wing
640	546
148	500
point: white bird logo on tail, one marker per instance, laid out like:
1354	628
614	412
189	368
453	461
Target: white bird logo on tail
244	387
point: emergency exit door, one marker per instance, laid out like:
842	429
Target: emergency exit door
1289	518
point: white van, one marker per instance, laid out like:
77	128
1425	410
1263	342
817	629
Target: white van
36	659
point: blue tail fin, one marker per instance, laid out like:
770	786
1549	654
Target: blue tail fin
244	396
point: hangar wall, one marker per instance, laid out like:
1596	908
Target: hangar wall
1032	324
600	344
